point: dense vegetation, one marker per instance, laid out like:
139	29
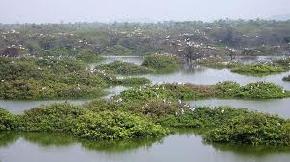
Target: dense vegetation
47	78
105	120
258	69
259	90
252	128
162	63
123	68
83	123
286	78
50	62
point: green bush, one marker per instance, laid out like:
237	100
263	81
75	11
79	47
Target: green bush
93	122
262	90
252	128
88	56
134	81
162	63
54	118
48	78
8	121
258	69
116	125
227	89
286	78
124	68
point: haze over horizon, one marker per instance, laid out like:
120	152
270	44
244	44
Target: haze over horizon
56	11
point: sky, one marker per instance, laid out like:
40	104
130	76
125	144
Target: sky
56	11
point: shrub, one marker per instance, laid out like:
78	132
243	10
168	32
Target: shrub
116	125
55	118
133	81
252	128
286	78
8	121
124	68
162	63
227	89
258	69
262	90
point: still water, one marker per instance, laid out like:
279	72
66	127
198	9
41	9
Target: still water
20	106
184	147
180	147
209	76
280	107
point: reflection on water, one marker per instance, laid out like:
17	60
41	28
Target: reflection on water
180	147
20	106
109	59
274	106
208	76
115	90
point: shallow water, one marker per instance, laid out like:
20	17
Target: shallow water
20	106
109	59
179	147
208	76
280	107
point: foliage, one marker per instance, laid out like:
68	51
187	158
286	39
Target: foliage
161	63
257	69
7	120
108	125
88	56
134	81
286	78
92	123
259	90
262	90
285	62
227	89
124	68
48	78
252	128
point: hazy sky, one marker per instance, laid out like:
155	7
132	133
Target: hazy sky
54	11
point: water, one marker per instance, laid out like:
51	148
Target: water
109	59
179	147
20	106
280	107
209	76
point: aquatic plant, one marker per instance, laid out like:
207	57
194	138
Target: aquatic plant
124	68
258	69
286	78
162	63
